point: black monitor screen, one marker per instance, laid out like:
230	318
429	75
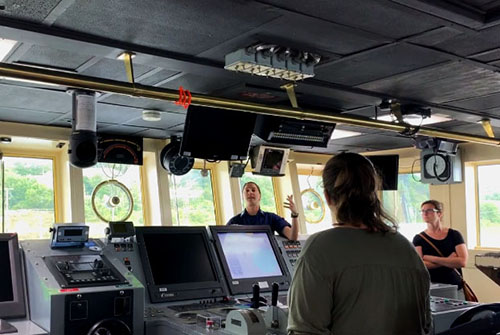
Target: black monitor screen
11	279
179	263
178	258
273	159
255	260
120	228
218	134
387	167
6	290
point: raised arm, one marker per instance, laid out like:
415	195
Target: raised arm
293	232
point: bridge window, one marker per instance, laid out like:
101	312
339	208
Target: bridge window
192	198
27	188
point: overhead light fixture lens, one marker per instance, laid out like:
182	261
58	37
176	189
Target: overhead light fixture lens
123	54
5	47
151	115
5	139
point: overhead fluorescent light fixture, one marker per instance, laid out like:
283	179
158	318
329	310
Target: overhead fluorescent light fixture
5	47
273	61
416	120
339	133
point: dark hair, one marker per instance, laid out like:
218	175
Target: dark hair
351	182
437	204
251	182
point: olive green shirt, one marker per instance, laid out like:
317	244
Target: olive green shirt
351	282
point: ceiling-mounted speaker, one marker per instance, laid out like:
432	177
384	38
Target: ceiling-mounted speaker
83	140
289	131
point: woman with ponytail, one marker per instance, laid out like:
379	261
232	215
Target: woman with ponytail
362	276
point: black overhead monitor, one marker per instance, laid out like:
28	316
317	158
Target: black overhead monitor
387	167
249	255
11	279
179	264
217	134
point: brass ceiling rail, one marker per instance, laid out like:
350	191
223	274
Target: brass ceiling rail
71	80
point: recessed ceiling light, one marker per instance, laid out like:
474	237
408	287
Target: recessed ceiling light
339	133
122	55
151	115
417	120
5	47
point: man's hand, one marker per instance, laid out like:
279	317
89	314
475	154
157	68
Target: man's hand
290	205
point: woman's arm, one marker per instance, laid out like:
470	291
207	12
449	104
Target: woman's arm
428	264
457	259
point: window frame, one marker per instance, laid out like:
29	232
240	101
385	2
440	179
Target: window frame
55	171
477	214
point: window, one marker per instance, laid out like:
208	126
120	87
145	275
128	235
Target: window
316	211
488	193
116	191
404	204
268	200
27	196
191	199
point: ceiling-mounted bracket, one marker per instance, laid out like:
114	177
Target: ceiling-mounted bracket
290	90
129	67
486	123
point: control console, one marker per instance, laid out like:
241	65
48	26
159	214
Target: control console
291	250
83	271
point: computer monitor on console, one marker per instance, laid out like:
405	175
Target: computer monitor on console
179	264
11	279
249	255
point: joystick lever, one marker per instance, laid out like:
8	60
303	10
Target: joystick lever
255	296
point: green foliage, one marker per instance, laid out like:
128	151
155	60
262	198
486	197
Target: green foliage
489	214
404	204
494	196
27	192
27	169
192	200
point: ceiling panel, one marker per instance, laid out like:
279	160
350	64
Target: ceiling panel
440	84
114	70
35	11
380	63
62	59
188	26
379	17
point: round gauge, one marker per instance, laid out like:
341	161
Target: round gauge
435	165
173	162
112	201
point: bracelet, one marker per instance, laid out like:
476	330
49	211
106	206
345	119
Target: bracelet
295	215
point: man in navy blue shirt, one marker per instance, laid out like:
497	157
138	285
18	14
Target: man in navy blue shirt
253	215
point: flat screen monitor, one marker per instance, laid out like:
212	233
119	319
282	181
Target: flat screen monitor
217	134
179	264
387	167
11	279
269	161
250	255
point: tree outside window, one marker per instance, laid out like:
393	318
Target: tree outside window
267	201
489	205
106	197
404	204
191	199
28	195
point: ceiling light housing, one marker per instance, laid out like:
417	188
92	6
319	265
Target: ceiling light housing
273	61
151	115
5	47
